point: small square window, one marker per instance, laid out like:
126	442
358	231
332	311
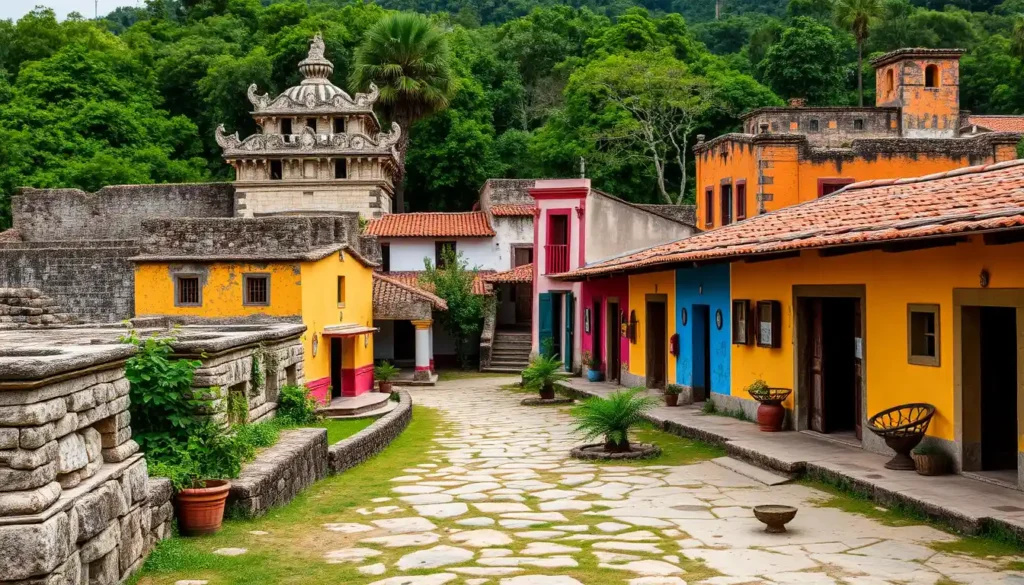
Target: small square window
276	171
709	206
923	335
187	292
439	253
257	290
741	322
341	292
340	168
286	126
814	125
339	125
858	124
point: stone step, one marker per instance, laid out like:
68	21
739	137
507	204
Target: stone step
512	342
509	365
751	471
513	352
502	370
354	405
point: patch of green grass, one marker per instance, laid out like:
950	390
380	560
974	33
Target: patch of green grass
676	450
292	551
450	375
998	543
342	429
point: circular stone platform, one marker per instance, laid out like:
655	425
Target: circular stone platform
545	402
595	451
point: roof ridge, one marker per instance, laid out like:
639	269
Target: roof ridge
971	170
412	289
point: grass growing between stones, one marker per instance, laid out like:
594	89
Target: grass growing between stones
992	543
342	429
292	550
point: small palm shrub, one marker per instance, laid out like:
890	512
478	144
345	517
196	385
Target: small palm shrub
542	374
386	372
613	417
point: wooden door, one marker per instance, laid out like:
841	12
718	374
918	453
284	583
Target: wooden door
657	341
816	365
614	342
858	369
523	296
570	327
546	333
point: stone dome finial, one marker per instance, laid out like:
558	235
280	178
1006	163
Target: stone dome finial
315	67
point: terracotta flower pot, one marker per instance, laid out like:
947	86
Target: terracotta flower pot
671	399
770	416
383	386
547	393
201	510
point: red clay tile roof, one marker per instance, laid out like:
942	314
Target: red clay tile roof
412	278
998	123
972	199
393	292
518	275
471	224
513	210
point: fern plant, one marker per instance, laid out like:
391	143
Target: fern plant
542	374
613	417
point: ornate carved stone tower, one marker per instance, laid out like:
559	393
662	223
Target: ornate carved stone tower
319	149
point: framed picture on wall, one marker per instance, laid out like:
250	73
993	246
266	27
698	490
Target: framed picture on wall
741	322
586	321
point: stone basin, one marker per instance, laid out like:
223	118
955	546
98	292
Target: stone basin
775	517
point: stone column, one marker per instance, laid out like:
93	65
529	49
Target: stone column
422	349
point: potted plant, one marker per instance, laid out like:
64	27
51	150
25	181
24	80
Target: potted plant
199	475
770	414
672	392
594	373
612	418
929	460
384	373
542	374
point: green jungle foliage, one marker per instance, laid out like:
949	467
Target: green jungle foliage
532	88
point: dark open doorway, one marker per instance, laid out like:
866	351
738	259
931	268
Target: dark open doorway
657	341
405	349
832	363
556	324
701	344
335	367
612	339
998	333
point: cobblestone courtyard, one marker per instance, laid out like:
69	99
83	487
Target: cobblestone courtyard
494	499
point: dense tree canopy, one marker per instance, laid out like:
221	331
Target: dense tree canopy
536	86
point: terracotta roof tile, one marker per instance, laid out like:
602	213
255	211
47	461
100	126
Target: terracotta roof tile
513	210
472	224
393	292
998	123
518	275
973	199
412	278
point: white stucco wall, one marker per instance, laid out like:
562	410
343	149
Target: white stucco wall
614	228
408	253
510	231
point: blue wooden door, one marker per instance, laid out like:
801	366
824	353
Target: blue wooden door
546	326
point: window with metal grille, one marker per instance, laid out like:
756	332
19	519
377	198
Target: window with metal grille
187	292
257	289
858	124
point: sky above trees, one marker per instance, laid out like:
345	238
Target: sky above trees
17	8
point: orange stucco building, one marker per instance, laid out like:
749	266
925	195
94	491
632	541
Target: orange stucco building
790	155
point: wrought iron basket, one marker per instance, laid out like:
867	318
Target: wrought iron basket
903	427
770	395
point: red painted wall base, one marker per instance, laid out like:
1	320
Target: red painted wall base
320	390
356	381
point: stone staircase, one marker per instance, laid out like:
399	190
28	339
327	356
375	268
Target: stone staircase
510	352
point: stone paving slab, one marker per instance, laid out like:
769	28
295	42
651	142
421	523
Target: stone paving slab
969	505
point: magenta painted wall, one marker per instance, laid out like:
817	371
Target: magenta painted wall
603	289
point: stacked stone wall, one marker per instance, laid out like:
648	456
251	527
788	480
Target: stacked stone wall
297	461
91	280
114	212
348	453
29	306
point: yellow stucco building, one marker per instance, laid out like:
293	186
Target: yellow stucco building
313	270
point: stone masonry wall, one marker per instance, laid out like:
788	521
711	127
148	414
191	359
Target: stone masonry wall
114	212
28	306
93	281
297	461
348	453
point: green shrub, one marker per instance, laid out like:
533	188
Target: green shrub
208	453
613	417
295	406
543	372
709	407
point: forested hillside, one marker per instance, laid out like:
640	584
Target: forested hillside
539	86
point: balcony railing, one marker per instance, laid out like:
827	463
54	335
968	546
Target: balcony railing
557	258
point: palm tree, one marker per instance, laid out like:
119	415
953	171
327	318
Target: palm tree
613	417
857	17
407	57
1018	36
